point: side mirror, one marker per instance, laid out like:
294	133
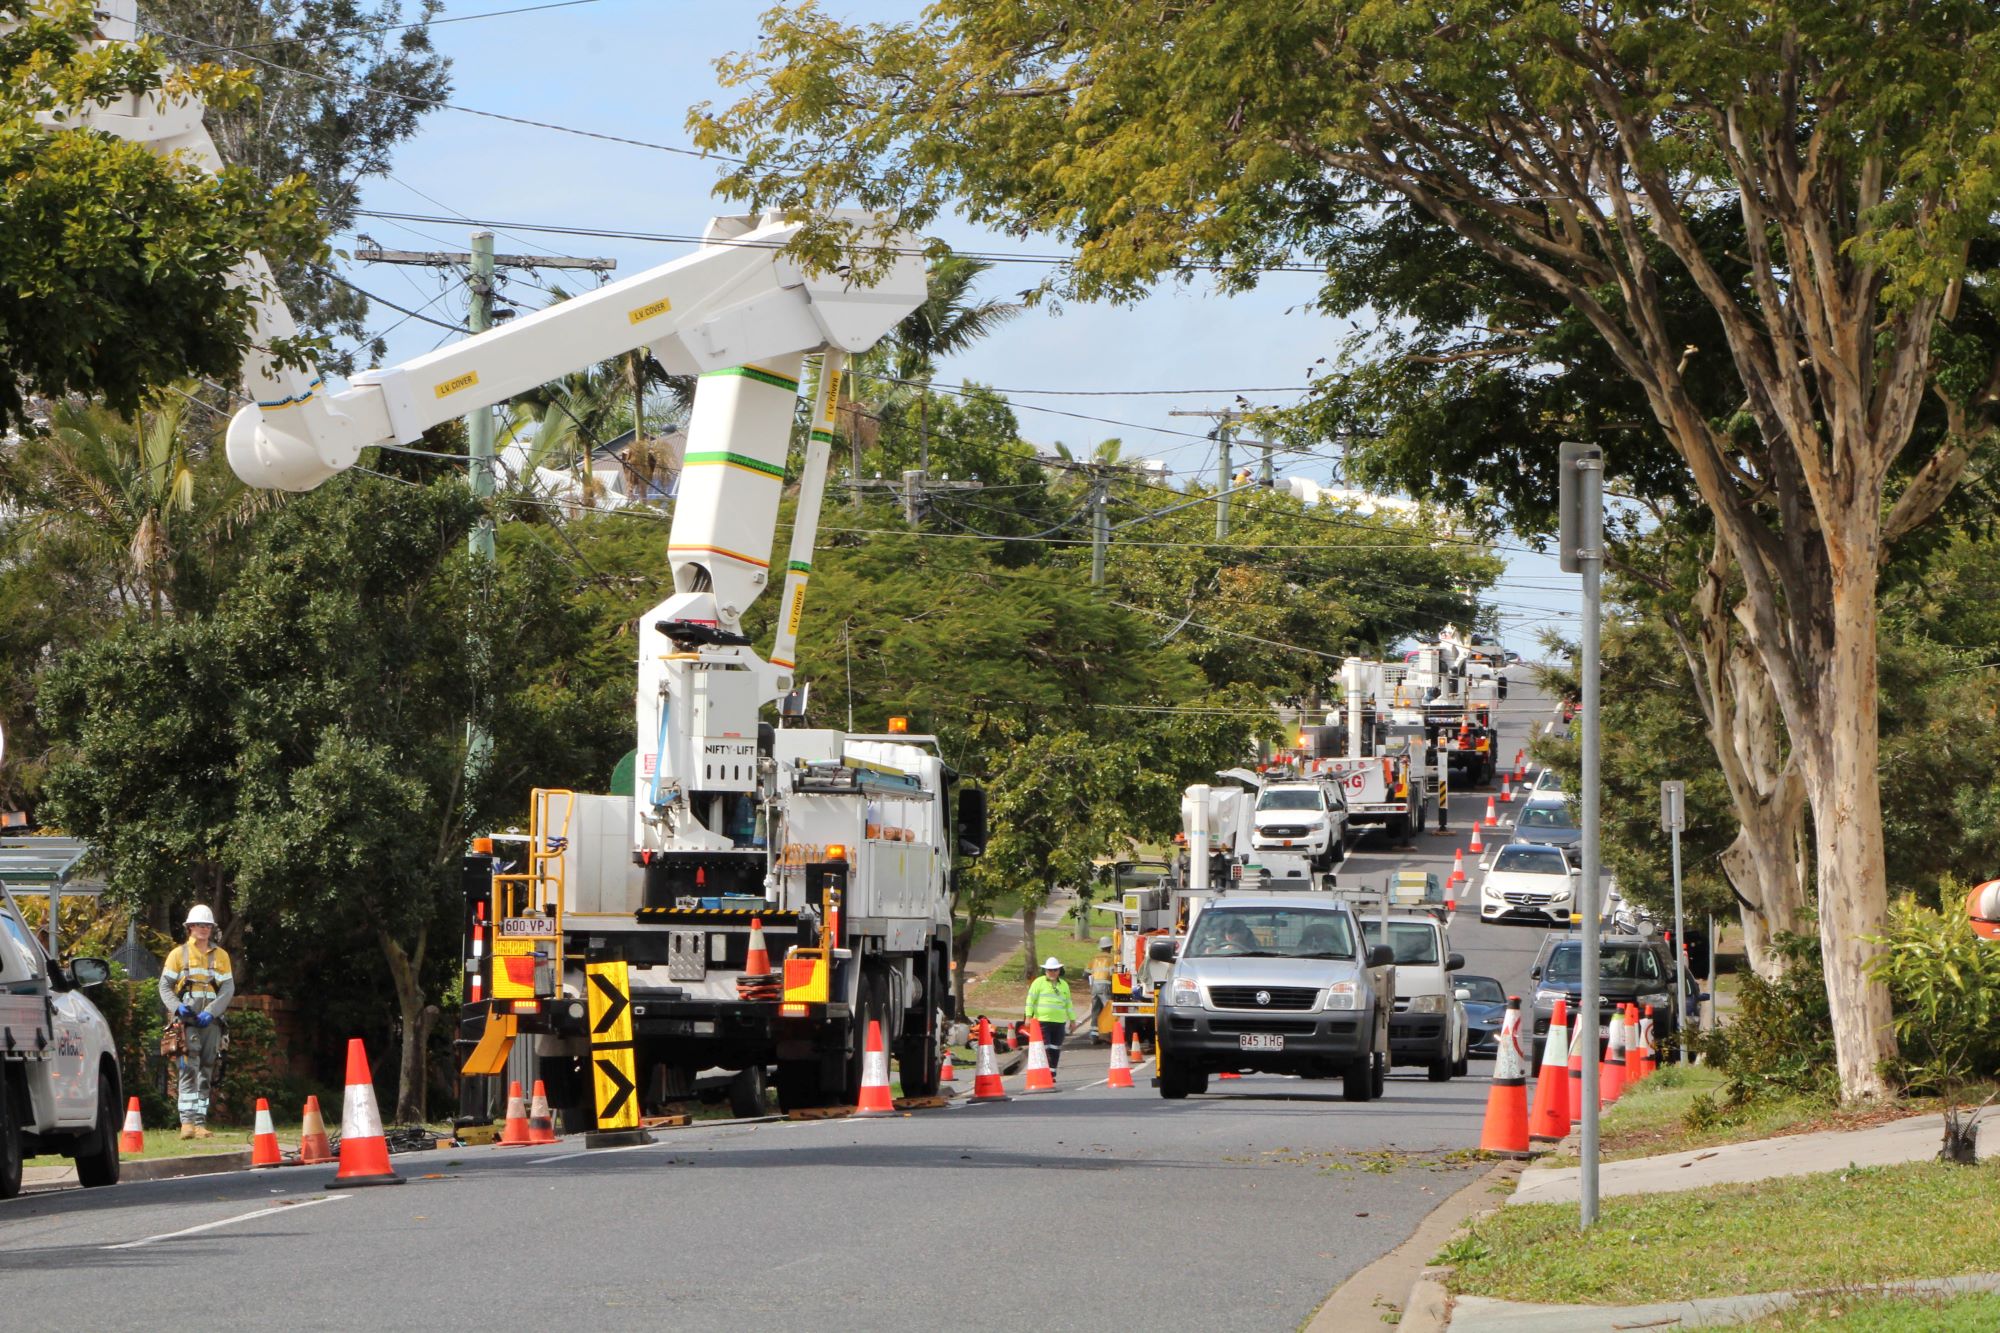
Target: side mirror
89	972
970	831
1454	962
1161	950
1534	974
1704	997
1381	955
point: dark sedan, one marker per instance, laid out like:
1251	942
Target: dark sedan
1484	1009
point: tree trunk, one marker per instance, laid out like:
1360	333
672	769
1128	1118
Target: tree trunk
417	1017
1842	756
1029	953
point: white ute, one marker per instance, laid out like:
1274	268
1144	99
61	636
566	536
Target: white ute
59	1086
1306	818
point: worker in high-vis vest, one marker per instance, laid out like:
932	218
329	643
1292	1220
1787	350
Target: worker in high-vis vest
196	987
1101	966
1049	1004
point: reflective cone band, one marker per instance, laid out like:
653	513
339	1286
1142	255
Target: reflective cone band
875	1098
1506	791
1136	1055
541	1125
1551	1116
986	1084
1611	1071
1121	1064
133	1137
1506	1127
1040	1077
1458	867
264	1150
1647	1027
947	1074
514	1134
364	1153
313	1145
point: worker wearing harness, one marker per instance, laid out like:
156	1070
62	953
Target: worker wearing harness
1049	1003
196	987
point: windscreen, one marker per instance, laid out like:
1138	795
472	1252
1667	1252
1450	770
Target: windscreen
1613	964
1290	798
1485	990
1551	815
1270	932
1415	942
1531	861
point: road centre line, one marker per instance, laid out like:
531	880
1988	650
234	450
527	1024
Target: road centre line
287	1207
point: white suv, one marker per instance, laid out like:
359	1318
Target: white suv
59	1089
1529	881
1307	819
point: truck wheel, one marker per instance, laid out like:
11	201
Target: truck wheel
1357	1080
1399	829
10	1141
746	1092
1172	1086
99	1166
917	1053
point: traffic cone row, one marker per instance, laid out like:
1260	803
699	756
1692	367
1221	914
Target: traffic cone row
364	1152
1040	1077
133	1137
1551	1117
986	1084
1506	1128
1121	1064
264	1150
875	1096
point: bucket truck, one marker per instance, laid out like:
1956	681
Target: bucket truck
766	892
1379	763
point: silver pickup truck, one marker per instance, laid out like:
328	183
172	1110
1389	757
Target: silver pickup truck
1277	984
59	1089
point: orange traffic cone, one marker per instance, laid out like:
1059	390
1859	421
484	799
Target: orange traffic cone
364	1153
1458	866
1651	1027
1551	1117
758	962
1506	1128
1137	1054
514	1134
1641	1062
946	1074
313	1146
133	1137
1040	1077
1492	814
1476	846
264	1149
986	1084
875	1098
1579	1033
1611	1071
1121	1064
541	1125
1506	791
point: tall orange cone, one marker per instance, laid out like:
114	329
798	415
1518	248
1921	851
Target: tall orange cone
1121	1064
758	984
514	1134
1611	1070
313	1145
1506	791
1136	1055
264	1149
1551	1115
1506	1128
875	1098
133	1137
946	1074
1040	1077
541	1125
1492	814
986	1084
1476	846
1457	867
1580	1032
364	1152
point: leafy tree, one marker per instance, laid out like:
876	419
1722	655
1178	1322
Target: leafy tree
343	82
115	262
950	320
1578	148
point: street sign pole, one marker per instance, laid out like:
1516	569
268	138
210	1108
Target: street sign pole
1582	552
1673	815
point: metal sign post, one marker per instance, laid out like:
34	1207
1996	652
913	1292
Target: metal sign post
1673	818
1581	477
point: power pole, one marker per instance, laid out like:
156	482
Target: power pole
1100	527
1224	434
1581	545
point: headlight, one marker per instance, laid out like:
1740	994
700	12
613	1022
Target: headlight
1343	995
1560	896
1550	996
1187	991
1427	1004
1662	1000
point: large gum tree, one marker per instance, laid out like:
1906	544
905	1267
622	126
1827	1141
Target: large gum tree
1571	141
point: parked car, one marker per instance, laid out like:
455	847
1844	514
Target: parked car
1485	1001
1428	1025
1631	969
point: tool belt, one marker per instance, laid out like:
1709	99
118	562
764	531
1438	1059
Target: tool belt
173	1040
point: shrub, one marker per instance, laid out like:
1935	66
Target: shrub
1780	1039
1945	984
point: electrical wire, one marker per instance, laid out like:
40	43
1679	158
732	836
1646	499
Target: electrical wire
425	23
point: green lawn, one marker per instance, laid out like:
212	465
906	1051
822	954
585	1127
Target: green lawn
1839	1229
169	1143
1976	1313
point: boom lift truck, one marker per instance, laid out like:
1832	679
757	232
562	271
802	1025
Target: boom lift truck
1380	763
1451	691
619	935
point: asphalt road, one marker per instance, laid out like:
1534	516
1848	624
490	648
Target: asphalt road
1089	1208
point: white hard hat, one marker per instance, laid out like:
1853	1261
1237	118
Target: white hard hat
1051	963
199	915
1104	943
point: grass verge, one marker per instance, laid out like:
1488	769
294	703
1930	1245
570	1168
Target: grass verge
1004	991
1977	1313
1683	1108
1839	1229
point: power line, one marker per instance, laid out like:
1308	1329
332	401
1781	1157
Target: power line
423	23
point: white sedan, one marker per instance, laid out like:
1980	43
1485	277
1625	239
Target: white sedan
1530	881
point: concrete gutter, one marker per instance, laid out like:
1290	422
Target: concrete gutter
144	1168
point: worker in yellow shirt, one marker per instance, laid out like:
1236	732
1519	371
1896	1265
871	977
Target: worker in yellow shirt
1101	967
1049	1004
196	986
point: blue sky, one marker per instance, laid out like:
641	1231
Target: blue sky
632	68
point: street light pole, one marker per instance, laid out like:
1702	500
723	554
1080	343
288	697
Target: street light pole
1582	541
1673	811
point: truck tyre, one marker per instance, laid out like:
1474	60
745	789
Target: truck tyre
1439	1071
1172	1086
10	1140
917	1053
1399	829
98	1165
1380	1083
1357	1080
746	1092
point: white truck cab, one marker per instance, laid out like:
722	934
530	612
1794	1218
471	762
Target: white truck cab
59	1084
